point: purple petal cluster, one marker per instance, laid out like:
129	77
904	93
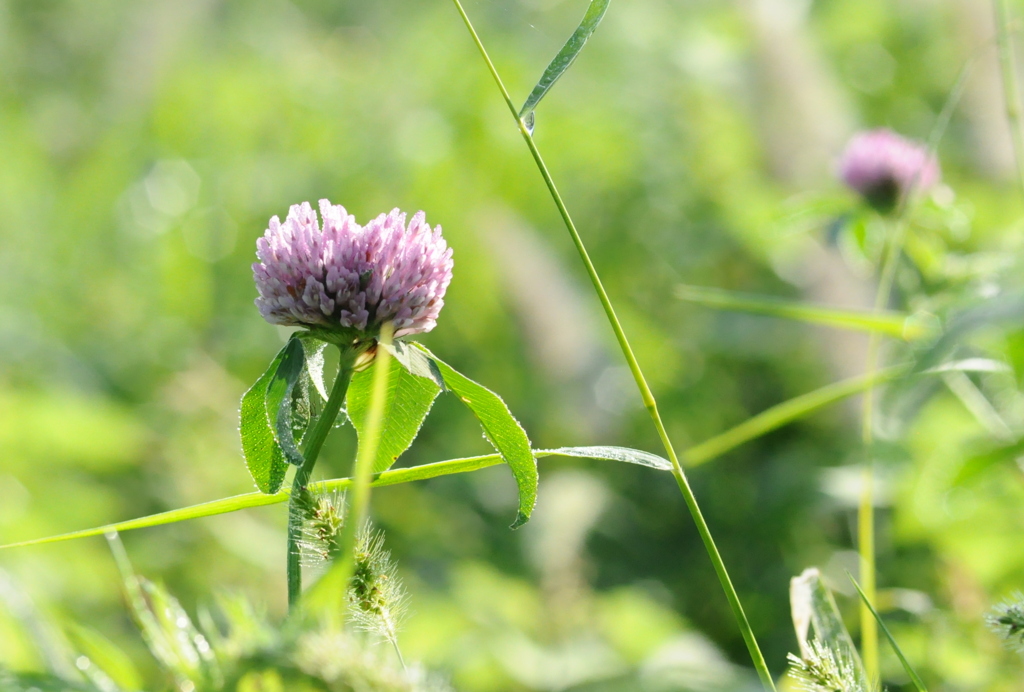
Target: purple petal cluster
350	277
883	167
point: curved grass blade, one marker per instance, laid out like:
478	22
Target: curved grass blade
706	451
806	404
914	677
784	413
204	509
393	477
407	401
891	323
565	57
624	454
501	429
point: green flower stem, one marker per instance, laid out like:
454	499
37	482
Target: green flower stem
310	451
1011	93
648	397
866	506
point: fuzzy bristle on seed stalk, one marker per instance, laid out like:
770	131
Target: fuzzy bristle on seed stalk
376	597
322	515
823	669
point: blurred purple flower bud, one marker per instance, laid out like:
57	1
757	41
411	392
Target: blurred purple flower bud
884	167
348	277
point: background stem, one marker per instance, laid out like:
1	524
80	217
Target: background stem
896	232
310	451
648	397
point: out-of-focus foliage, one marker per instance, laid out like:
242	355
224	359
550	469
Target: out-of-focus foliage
233	649
145	145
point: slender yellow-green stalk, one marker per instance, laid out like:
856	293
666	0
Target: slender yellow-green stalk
1011	92
329	592
865	510
645	391
362	474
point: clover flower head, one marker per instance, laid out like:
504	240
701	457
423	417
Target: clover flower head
344	277
884	167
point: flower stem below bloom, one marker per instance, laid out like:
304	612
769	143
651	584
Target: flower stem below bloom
310	451
895	236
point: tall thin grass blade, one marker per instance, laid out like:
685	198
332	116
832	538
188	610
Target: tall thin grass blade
914	677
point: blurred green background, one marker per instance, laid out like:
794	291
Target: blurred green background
144	145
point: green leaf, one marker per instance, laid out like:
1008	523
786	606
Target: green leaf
314	349
565	57
415	361
408	399
914	677
815	616
624	454
263	455
280	400
897	324
501	429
